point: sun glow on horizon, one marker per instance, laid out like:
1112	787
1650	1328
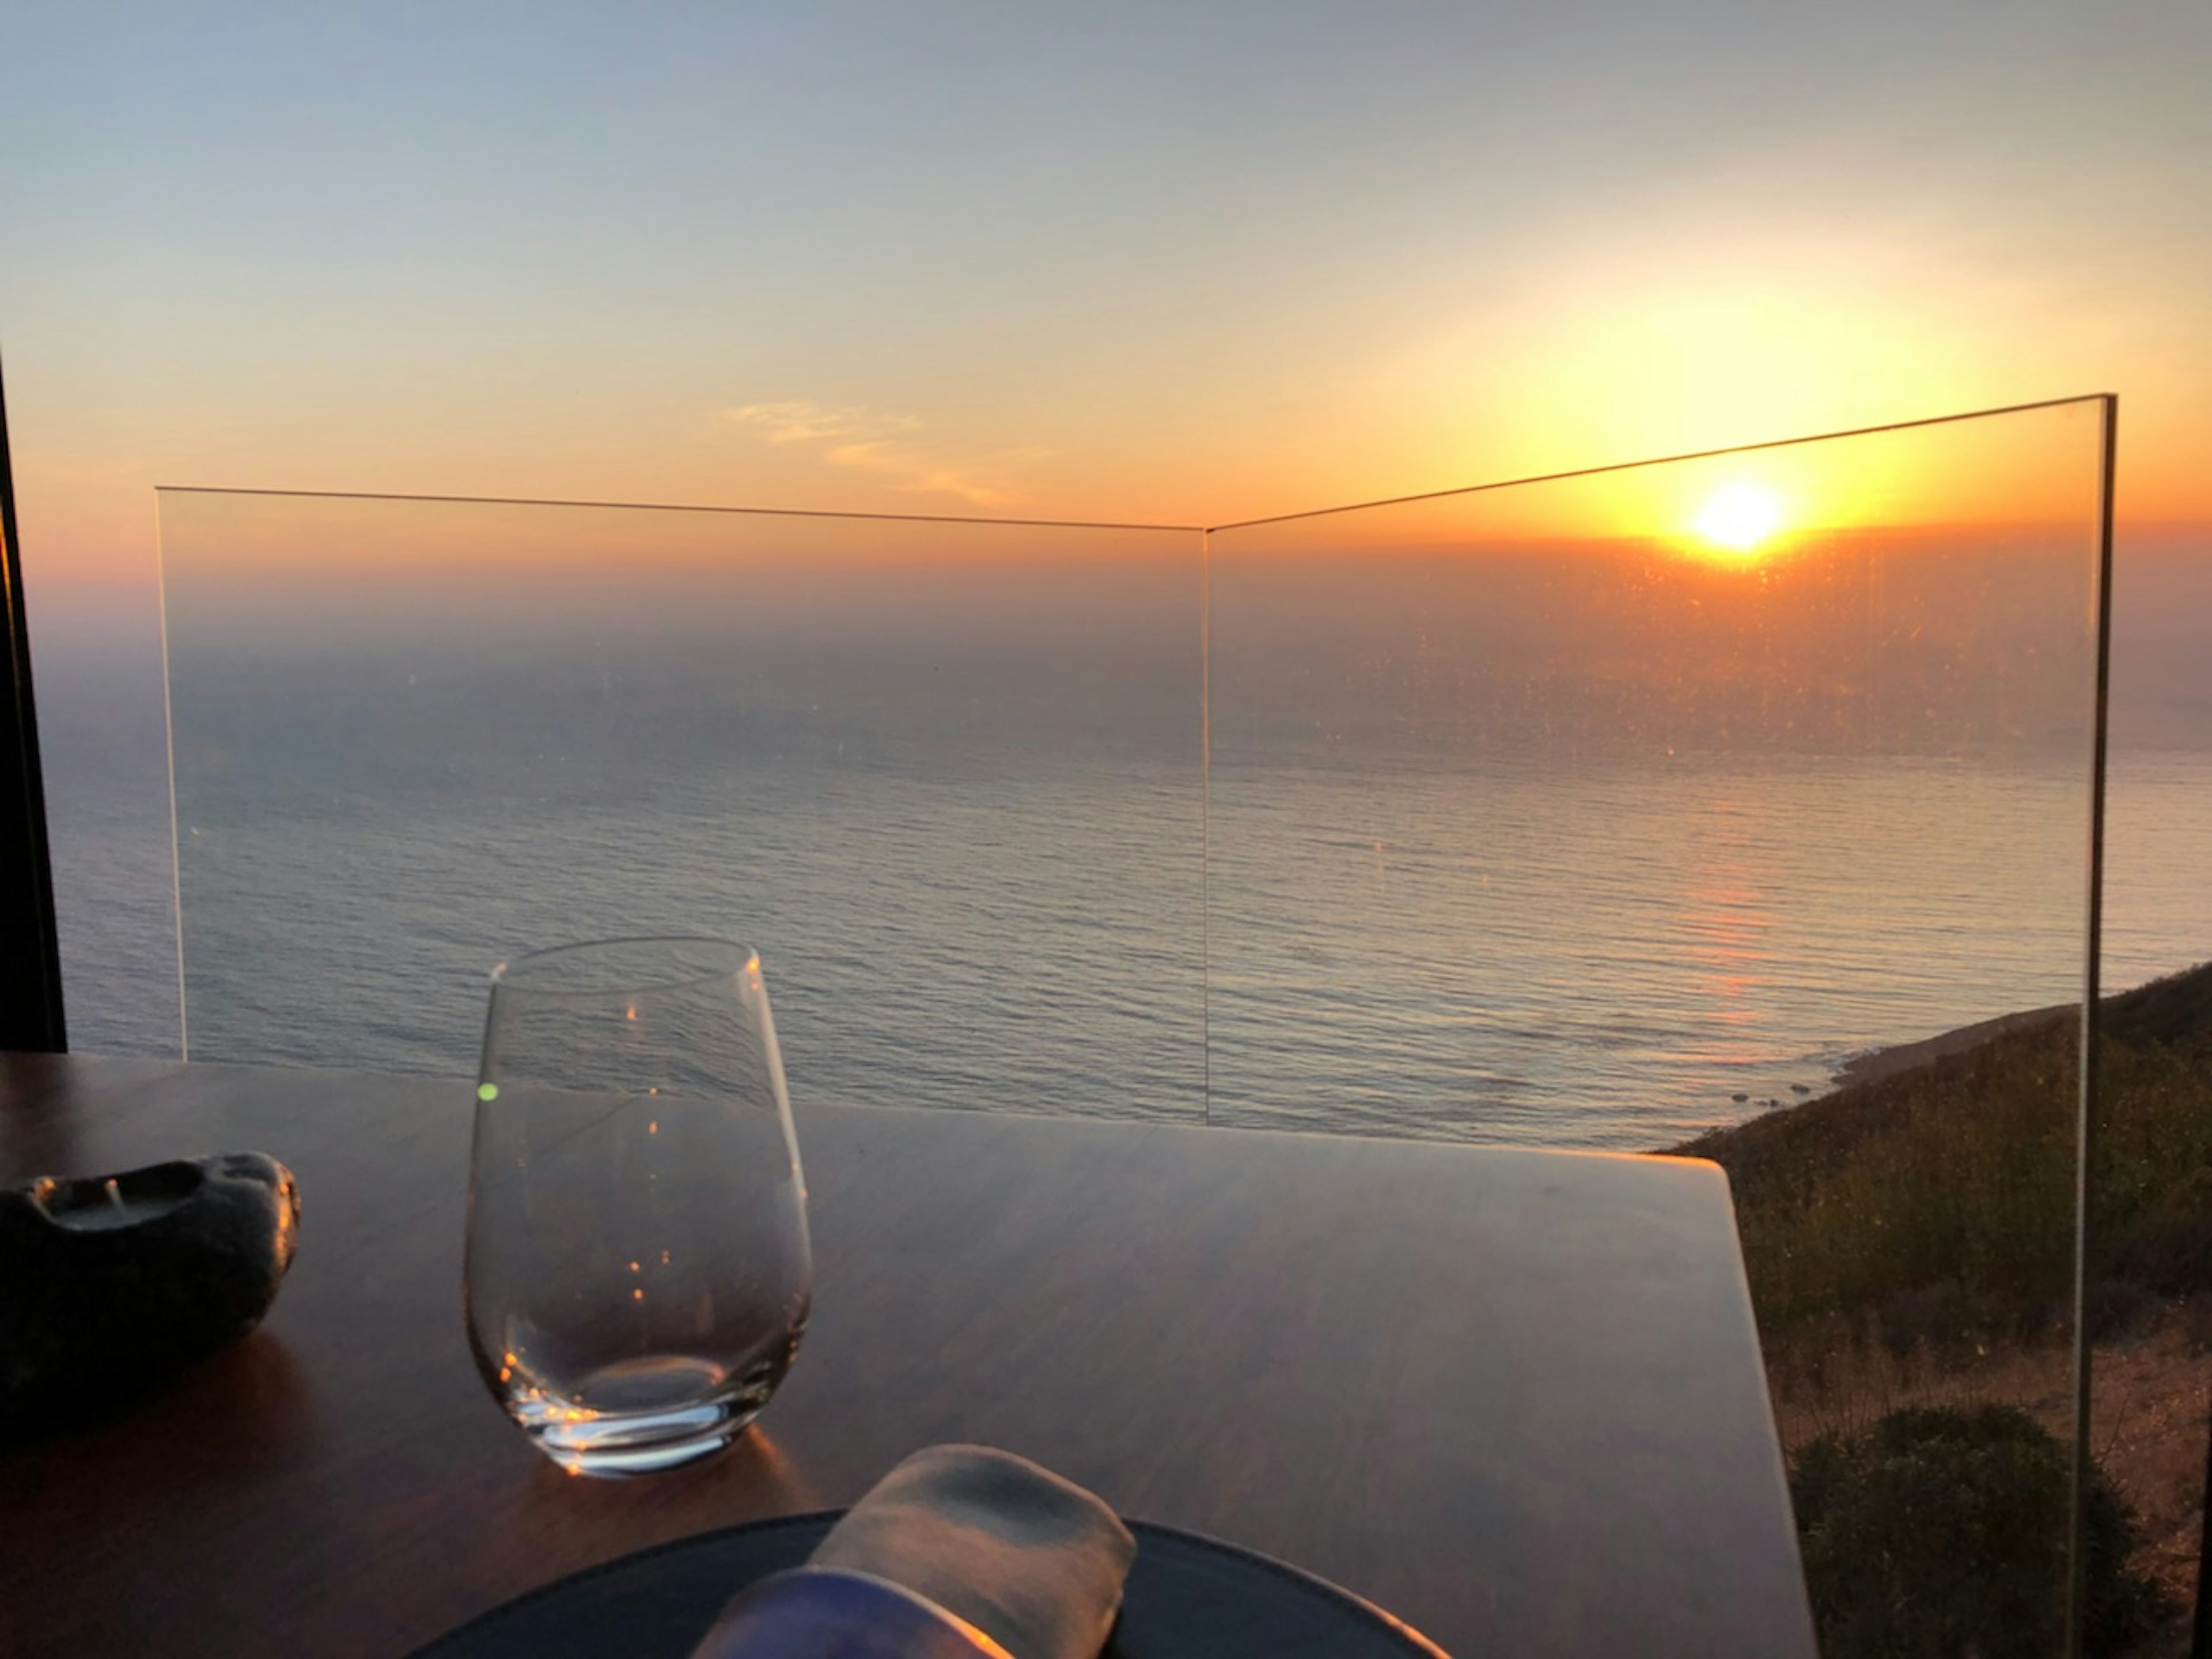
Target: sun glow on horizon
1737	520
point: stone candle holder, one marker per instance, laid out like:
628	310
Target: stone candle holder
112	1284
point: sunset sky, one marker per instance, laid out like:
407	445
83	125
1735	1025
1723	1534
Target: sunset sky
1151	262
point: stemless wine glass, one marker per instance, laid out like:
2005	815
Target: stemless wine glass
638	1272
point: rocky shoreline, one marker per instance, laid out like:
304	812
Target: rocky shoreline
1877	1063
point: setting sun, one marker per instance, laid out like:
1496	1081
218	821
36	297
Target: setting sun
1739	517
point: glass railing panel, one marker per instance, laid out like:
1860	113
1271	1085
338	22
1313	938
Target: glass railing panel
945	777
1621	820
1719	806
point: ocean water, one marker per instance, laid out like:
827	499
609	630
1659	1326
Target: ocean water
1602	955
988	862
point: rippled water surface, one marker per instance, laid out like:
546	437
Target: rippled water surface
1602	953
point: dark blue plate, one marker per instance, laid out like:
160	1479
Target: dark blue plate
1188	1597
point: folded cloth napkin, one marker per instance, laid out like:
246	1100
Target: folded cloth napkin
958	1544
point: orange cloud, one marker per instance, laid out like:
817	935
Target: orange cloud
865	440
798	422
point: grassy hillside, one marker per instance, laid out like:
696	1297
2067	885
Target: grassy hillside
1938	1202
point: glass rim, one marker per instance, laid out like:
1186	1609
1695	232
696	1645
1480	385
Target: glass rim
514	973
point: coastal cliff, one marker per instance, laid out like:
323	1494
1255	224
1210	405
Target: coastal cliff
1950	1178
1909	1243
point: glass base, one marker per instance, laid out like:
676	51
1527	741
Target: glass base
643	1415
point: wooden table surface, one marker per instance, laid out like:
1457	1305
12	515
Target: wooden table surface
1514	1396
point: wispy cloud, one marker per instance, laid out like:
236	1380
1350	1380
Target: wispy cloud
870	442
803	423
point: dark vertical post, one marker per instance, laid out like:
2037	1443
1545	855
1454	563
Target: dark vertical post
30	951
2085	1129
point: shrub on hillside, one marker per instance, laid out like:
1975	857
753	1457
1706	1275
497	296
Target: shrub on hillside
2168	1248
1941	1531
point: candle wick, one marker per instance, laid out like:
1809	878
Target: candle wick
114	1193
